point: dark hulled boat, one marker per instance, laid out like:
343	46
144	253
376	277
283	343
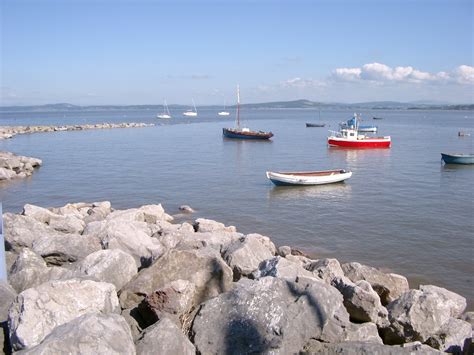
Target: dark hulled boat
244	133
315	124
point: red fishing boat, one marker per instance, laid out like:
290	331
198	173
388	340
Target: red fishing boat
349	137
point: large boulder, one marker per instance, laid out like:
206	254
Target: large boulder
281	268
326	269
59	248
245	255
415	316
453	337
21	231
203	267
388	286
132	237
37	311
175	301
164	338
41	214
361	301
457	303
218	240
91	333
30	270
113	266
147	213
365	348
208	225
67	224
267	315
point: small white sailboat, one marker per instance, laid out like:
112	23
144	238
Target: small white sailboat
224	112
191	113
166	112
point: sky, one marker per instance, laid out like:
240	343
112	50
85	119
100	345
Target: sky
116	52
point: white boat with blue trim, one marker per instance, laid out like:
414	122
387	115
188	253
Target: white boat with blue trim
308	177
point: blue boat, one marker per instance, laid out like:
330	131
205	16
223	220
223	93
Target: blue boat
464	159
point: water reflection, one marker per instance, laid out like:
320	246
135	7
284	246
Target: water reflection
330	191
351	155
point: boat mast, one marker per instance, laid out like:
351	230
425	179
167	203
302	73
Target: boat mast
238	106
194	106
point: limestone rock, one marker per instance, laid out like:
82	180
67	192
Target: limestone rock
91	333
67	224
284	251
453	337
388	286
37	311
7	295
58	249
186	208
164	338
218	240
245	255
366	332
207	225
415	316
326	269
270	314
456	302
203	267
281	268
361	301
175	301
21	231
39	213
113	266
363	348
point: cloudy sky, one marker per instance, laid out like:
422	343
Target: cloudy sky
144	51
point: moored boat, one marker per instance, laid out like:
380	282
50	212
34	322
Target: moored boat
308	177
191	113
348	136
315	124
244	133
465	159
377	118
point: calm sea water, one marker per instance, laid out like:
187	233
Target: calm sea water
402	210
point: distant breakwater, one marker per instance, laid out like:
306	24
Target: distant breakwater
11	131
86	276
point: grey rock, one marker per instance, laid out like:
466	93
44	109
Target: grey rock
361	301
112	266
175	301
21	231
164	338
363	348
30	270
326	269
468	317
267	315
37	311
218	240
57	249
265	241
366	332
203	267
281	268
284	251
453	337
132	237
415	316
41	214
91	333
245	255
186	208
388	286
7	295
147	214
208	225
67	224
456	302
135	321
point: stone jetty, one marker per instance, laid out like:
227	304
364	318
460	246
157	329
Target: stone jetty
11	131
85	278
14	166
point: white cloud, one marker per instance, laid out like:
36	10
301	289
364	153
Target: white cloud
301	83
381	73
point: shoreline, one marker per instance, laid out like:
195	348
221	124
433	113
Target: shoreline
7	132
196	282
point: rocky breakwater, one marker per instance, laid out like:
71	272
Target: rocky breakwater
84	278
11	131
16	166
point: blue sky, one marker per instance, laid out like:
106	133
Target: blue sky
141	52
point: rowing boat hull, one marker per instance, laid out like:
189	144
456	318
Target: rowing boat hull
287	179
236	134
464	159
360	143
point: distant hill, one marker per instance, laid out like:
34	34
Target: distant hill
295	104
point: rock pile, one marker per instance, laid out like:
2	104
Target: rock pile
16	166
11	131
85	278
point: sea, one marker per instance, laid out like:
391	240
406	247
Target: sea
403	210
